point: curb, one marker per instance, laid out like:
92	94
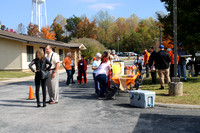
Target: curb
178	106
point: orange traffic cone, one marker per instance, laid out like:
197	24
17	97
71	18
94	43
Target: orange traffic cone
31	95
82	78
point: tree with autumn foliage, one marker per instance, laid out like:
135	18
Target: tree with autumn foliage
58	27
86	29
58	30
167	42
33	30
46	33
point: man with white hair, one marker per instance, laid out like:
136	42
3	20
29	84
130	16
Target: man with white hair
115	57
67	65
53	80
95	65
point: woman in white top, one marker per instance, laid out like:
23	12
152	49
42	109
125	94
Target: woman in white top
102	74
95	66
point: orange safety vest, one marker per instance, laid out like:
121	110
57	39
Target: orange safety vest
170	53
172	57
146	57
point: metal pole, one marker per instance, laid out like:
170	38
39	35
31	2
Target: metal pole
118	44
45	13
175	35
160	35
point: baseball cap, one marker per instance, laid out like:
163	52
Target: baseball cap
105	52
161	46
180	44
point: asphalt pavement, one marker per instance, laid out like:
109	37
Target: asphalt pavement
80	111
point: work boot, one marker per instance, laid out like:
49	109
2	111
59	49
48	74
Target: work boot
38	104
162	88
44	104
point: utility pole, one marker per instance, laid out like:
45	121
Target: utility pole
175	35
118	43
160	35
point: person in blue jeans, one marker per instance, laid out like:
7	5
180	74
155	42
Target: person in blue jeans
95	66
102	74
182	62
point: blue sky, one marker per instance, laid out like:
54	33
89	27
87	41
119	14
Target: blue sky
14	12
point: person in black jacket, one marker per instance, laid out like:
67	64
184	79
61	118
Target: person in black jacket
162	61
40	62
151	65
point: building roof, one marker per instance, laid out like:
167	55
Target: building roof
39	40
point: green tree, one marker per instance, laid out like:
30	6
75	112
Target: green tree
104	21
93	46
71	25
188	27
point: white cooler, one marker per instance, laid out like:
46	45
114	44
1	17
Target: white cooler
142	98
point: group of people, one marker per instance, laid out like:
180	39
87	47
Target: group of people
50	64
163	61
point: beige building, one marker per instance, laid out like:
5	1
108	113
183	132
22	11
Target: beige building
17	51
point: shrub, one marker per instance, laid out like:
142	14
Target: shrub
93	47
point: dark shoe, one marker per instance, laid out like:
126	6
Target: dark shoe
102	98
162	88
44	104
96	93
73	82
38	105
48	101
185	80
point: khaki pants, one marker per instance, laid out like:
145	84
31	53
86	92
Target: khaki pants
164	73
53	86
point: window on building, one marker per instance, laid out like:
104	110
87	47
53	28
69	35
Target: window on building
29	50
61	55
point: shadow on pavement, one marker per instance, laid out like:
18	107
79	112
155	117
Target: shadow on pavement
75	91
31	82
87	97
16	103
158	123
124	105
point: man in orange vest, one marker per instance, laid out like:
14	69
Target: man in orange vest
172	65
67	65
146	62
152	65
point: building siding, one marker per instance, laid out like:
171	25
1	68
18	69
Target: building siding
10	54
